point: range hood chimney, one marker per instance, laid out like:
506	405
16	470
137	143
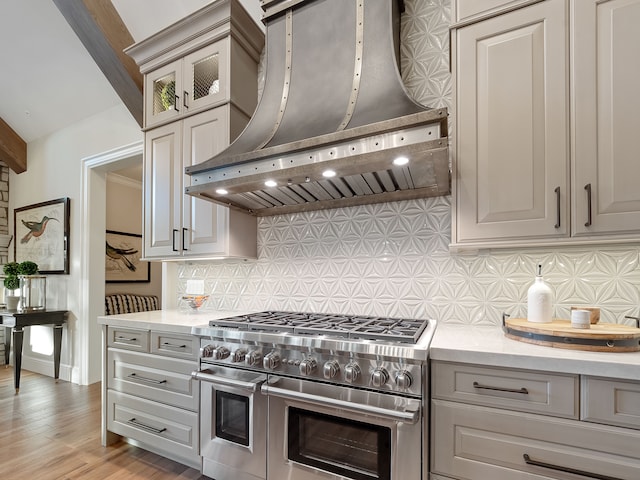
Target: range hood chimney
333	102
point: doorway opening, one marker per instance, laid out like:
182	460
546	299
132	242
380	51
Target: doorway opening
93	217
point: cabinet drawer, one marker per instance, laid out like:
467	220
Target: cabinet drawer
522	390
165	380
613	402
174	345
467	9
128	338
472	442
166	430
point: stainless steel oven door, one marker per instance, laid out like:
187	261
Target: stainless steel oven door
321	432
233	423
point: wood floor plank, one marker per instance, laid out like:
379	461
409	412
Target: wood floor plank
51	431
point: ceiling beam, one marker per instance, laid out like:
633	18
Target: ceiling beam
13	149
103	33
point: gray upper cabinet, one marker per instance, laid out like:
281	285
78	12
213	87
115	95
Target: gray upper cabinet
606	117
544	114
512	170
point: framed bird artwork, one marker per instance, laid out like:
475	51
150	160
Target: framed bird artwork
41	235
122	258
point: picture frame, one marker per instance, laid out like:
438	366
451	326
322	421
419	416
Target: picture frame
41	235
123	253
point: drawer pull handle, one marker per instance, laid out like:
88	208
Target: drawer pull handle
120	338
529	461
148	428
146	379
172	345
522	390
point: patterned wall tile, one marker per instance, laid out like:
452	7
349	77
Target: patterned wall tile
393	259
380	273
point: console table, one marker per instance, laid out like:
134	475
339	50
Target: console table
16	321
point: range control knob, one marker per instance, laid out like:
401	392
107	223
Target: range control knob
271	361
253	358
403	379
207	351
379	377
352	372
330	369
238	355
220	353
308	366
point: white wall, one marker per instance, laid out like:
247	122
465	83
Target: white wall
54	171
124	214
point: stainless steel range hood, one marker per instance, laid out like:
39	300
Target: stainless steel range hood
333	101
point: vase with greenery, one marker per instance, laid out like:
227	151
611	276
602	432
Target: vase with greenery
11	285
23	286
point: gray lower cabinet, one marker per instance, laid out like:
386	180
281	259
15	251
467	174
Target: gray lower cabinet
612	402
494	432
163	429
150	397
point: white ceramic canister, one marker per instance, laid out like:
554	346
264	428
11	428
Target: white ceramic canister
581	319
539	300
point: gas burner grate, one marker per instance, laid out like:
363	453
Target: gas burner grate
330	325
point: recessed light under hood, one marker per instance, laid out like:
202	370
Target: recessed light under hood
333	100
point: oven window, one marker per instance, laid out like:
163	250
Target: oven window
356	450
232	417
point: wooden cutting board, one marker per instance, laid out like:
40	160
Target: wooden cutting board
601	337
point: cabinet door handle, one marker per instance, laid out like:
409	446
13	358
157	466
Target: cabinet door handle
557	190
522	390
184	241
134	376
529	461
185	98
148	428
175	103
173	246
587	187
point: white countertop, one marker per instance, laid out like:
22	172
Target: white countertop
481	345
166	320
487	345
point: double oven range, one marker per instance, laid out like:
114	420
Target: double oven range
314	397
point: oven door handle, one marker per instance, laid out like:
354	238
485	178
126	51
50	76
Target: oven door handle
206	376
406	416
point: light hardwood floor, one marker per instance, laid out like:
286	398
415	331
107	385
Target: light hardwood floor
51	431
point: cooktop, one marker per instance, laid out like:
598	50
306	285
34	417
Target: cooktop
332	325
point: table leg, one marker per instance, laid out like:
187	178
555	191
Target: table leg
17	356
57	345
7	345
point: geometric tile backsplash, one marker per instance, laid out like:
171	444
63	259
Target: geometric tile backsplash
392	259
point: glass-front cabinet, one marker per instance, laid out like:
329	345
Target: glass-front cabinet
193	83
200	90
